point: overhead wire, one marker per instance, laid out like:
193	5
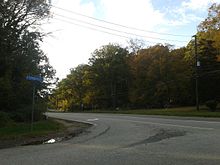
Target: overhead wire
120	25
213	74
115	30
99	30
90	28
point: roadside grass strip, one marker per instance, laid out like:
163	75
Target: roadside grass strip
182	111
40	128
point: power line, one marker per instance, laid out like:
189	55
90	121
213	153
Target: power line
209	66
87	27
209	72
119	31
91	28
127	27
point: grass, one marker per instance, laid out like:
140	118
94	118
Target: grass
182	111
22	130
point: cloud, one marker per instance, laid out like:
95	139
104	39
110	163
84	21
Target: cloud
195	4
133	12
68	45
189	11
72	45
76	5
182	17
139	14
198	4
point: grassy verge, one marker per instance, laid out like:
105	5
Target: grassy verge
183	111
22	130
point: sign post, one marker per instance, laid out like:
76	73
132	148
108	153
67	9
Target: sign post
34	79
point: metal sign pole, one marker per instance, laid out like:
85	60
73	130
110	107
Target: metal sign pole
33	104
34	79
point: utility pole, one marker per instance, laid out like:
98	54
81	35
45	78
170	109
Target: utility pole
113	94
197	77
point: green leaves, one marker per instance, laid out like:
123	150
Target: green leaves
151	78
20	53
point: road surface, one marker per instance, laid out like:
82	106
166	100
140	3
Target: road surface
127	140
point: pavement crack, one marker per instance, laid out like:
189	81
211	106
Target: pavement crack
161	135
98	135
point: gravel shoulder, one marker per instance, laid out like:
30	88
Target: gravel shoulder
72	129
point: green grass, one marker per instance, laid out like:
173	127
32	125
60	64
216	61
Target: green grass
182	111
22	130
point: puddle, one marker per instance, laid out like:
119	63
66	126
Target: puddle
53	140
48	141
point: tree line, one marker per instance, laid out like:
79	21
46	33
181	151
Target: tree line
154	77
21	55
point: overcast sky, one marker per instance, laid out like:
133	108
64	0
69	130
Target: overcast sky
77	30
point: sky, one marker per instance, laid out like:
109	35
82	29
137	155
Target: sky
78	27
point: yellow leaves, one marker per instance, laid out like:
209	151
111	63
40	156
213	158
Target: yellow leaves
218	58
216	38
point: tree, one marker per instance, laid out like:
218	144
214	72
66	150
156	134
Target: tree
181	78
74	92
77	85
134	45
209	53
209	71
160	77
210	27
110	75
146	73
20	53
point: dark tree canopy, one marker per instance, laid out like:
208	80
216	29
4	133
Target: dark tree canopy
20	53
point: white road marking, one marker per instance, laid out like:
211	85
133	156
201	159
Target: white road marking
95	119
166	124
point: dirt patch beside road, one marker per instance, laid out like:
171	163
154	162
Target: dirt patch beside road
71	130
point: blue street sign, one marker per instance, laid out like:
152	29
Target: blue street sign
34	78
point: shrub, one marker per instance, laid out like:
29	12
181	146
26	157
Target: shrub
39	111
4	119
24	114
212	104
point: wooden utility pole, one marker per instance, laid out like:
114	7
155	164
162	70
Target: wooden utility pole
197	76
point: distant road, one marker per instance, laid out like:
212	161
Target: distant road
127	140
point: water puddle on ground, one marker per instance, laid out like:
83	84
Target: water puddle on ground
51	141
48	141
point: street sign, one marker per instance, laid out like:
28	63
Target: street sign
34	78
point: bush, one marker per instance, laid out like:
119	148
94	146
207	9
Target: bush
39	111
4	119
212	104
24	114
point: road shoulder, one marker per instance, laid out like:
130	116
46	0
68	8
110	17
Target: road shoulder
73	129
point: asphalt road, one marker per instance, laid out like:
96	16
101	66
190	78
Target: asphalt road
127	140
